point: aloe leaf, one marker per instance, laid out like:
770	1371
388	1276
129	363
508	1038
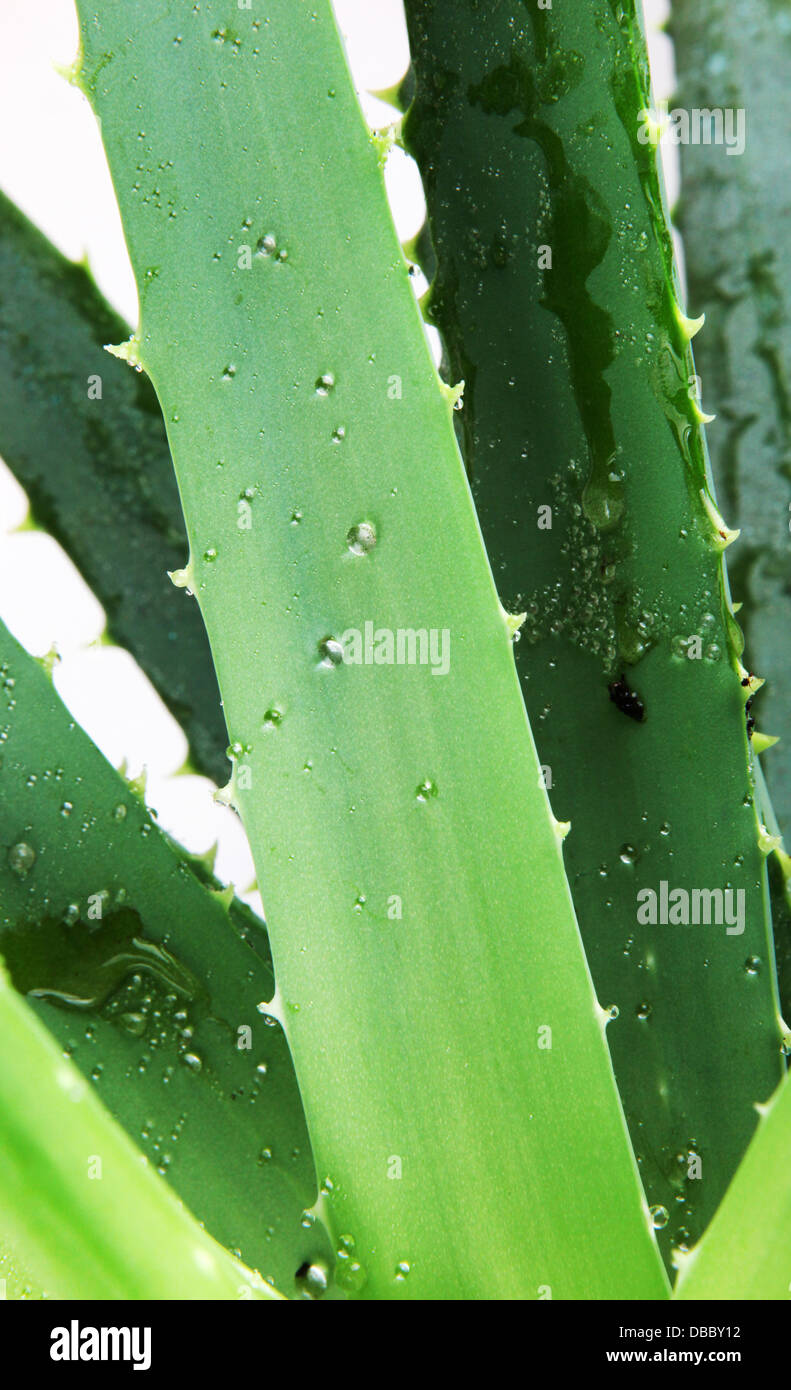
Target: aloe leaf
744	1253
80	1206
16	1281
155	990
559	304
734	216
420	922
107	493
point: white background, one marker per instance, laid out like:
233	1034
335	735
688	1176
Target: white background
52	165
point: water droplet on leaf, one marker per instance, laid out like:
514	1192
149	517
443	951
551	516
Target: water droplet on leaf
361	538
330	652
426	790
21	858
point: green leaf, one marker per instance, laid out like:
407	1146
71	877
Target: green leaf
559	304
155	991
734	216
420	922
744	1252
79	1203
16	1281
112	500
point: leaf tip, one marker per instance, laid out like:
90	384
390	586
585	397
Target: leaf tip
127	352
454	395
723	535
689	327
762	742
184	578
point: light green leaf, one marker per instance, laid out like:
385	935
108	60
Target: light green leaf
80	1204
449	1049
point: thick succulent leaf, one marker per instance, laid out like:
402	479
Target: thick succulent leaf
80	1203
420	921
734	214
16	1280
744	1253
559	304
154	990
86	440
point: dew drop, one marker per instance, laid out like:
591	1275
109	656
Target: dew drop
229	372
312	1280
192	1061
643	1011
338	434
324	384
659	1217
66	809
133	1023
273	718
752	965
426	790
361	538
267	245
210	555
119	811
330	652
628	854
350	1274
402	1270
21	858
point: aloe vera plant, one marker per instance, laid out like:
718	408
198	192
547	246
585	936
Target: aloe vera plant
559	305
420	1103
